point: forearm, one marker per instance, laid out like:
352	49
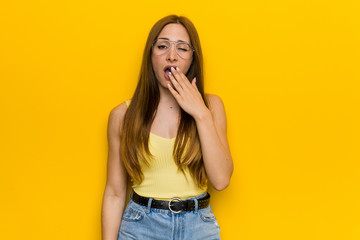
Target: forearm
112	210
217	160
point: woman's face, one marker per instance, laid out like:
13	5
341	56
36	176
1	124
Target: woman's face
174	32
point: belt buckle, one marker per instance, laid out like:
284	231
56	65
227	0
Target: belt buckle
175	212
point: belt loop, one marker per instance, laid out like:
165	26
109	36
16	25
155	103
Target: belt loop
147	210
196	205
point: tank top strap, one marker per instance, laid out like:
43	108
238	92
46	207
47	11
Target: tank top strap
128	102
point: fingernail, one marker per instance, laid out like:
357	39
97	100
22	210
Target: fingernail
195	79
172	68
170	73
177	68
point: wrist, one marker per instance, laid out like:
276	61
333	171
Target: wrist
204	115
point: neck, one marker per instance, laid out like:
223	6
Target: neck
167	99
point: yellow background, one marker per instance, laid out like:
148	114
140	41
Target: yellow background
287	71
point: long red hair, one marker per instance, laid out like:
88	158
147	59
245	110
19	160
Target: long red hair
141	112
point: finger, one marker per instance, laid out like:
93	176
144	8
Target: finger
173	92
183	77
175	83
194	83
177	74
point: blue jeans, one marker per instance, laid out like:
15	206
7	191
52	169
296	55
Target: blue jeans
145	223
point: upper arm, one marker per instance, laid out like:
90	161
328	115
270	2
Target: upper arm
217	109
116	182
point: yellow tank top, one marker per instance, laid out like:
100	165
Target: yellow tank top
162	180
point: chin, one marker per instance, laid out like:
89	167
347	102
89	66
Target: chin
166	84
163	83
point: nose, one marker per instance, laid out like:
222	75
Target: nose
172	54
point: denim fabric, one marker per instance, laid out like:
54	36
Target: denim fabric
143	223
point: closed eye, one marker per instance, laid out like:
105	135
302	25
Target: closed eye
162	46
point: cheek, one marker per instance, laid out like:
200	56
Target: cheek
188	65
155	64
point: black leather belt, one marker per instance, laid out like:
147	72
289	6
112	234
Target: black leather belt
175	205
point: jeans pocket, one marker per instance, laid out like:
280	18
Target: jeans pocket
132	214
206	215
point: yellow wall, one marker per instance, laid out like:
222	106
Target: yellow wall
287	71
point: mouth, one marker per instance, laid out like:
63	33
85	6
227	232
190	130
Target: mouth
167	70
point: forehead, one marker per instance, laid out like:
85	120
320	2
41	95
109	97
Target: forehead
174	32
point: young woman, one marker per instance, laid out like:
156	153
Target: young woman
169	140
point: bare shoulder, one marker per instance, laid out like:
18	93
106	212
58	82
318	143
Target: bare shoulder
119	110
116	117
215	102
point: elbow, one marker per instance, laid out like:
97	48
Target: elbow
223	181
221	185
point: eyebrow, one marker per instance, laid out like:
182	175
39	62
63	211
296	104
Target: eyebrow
176	41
